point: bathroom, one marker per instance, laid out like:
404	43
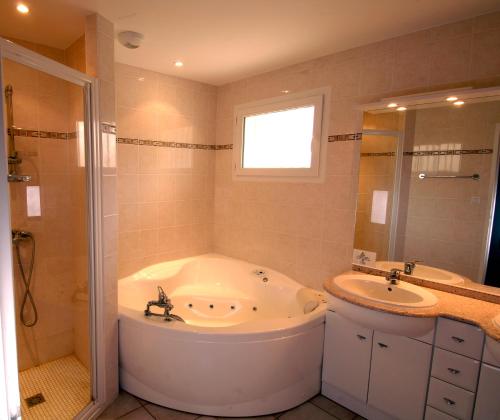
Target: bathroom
139	152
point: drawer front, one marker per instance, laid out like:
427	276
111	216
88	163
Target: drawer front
455	369
433	414
460	338
450	399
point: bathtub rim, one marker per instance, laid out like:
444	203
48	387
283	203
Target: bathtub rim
246	331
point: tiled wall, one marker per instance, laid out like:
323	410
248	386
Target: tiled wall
42	102
306	230
445	220
376	172
165	193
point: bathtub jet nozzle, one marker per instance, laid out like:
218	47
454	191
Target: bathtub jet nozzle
166	304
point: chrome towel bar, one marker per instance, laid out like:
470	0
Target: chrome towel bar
475	177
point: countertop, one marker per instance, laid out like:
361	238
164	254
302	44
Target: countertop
460	308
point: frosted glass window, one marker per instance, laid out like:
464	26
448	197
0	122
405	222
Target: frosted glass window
379	207
279	139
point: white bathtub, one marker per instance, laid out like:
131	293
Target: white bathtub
258	350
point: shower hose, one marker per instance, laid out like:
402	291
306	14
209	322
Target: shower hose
27	298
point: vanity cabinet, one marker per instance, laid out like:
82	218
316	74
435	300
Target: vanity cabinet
449	375
398	376
379	371
455	369
347	352
488	394
488	390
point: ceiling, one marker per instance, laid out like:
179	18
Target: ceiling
225	40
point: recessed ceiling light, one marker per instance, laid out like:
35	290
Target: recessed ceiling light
451	98
458	103
141	79
178	63
401	108
392	105
285	91
22	8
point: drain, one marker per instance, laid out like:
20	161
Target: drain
34	400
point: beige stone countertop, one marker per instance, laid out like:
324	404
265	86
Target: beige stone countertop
460	308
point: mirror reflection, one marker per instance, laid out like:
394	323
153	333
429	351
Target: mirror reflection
427	188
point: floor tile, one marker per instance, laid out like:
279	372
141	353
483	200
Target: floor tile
64	384
248	418
306	411
137	414
122	405
163	413
333	408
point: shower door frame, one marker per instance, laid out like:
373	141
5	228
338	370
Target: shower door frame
9	383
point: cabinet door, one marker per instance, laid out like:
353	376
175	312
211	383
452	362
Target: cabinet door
399	375
488	394
346	360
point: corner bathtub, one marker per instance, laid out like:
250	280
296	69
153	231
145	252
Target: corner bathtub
257	350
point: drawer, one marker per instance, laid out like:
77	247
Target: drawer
433	414
460	338
450	399
455	369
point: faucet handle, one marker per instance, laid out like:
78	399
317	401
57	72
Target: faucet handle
162	296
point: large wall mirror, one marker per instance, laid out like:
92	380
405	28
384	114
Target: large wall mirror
427	186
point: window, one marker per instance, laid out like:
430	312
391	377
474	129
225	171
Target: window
280	138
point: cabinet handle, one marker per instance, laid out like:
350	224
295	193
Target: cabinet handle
448	401
382	345
457	339
361	337
454	371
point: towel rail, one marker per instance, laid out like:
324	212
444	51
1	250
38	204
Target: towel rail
475	177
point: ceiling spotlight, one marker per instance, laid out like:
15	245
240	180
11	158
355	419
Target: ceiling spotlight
141	79
178	63
130	39
458	103
451	98
285	91
401	108
22	8
392	105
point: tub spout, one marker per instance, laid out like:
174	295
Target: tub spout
165	303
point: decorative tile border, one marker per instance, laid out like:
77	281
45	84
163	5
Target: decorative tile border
345	137
434	153
41	134
173	144
378	154
451	152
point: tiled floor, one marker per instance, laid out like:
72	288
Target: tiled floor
65	385
128	407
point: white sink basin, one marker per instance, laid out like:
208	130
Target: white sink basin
377	289
492	345
424	272
496	321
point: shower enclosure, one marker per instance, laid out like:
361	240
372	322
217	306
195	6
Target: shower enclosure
50	254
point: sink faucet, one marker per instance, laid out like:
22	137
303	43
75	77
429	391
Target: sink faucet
394	276
410	266
162	302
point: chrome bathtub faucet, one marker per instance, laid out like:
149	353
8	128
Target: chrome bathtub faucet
162	302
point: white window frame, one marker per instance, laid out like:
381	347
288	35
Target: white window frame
320	99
